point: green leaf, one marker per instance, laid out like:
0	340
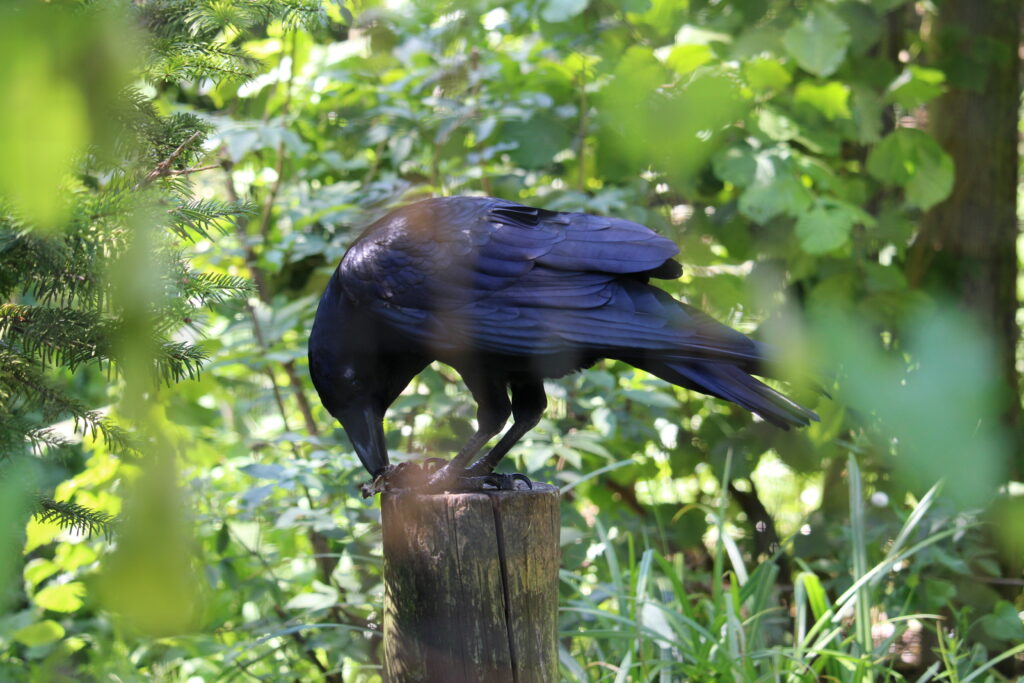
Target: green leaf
65	597
818	42
650	397
826	226
893	160
867	114
539	139
776	190
562	10
685	58
322	597
777	125
912	407
766	75
689	118
830	99
735	165
912	159
917	85
39	569
689	34
40	633
865	24
933	181
1004	623
815	592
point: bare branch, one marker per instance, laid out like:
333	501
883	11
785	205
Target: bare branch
164	167
194	169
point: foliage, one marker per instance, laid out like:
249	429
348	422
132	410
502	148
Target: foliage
65	279
782	145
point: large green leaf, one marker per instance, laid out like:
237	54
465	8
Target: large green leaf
915	86
829	99
826	225
735	164
64	597
562	10
766	75
40	633
675	130
818	41
776	190
912	159
538	139
1004	623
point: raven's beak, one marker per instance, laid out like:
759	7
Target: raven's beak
364	427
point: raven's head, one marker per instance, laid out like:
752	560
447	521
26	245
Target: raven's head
362	416
346	373
357	374
349	387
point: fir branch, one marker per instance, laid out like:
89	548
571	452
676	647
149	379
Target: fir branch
199	215
41	439
176	360
214	288
75	518
60	269
180	61
307	14
23	385
210	17
56	336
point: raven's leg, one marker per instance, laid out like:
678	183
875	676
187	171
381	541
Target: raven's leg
528	404
493	409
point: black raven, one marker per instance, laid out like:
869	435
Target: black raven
508	295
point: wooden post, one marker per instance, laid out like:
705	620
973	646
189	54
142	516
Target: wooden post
471	586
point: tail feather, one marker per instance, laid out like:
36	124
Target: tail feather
734	384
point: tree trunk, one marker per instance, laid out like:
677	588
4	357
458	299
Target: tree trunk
471	586
968	244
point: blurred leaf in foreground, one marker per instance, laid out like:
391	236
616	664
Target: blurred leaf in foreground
940	412
59	70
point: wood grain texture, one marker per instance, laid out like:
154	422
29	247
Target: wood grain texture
471	585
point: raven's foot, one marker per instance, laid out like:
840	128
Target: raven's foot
445	480
435	475
501	482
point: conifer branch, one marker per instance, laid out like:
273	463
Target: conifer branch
75	518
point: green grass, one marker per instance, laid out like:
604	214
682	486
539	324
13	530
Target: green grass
652	619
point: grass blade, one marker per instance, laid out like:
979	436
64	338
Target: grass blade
862	614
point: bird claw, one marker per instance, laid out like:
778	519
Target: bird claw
501	482
507	482
429	476
432	464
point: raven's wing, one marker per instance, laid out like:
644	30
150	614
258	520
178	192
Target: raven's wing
505	278
440	254
479	275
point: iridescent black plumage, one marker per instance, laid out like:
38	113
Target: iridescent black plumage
508	295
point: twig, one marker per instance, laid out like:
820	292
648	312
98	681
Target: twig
164	167
194	169
582	132
275	188
299	639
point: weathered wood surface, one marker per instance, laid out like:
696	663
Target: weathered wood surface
471	586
